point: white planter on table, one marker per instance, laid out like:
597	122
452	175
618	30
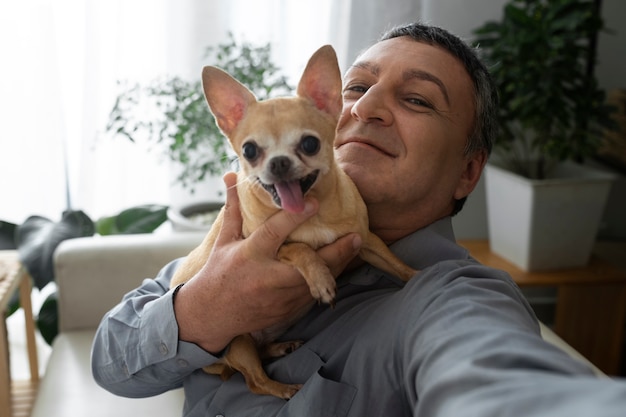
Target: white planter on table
545	224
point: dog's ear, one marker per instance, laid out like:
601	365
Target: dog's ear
321	81
227	98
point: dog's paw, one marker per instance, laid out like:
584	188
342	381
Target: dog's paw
324	292
275	388
279	349
291	391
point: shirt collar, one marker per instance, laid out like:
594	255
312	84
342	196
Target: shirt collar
430	245
421	249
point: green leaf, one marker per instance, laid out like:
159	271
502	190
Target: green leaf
106	226
140	219
38	237
7	235
48	318
14	304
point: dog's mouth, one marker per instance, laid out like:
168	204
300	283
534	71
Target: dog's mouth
289	195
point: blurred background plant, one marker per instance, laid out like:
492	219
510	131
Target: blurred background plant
172	112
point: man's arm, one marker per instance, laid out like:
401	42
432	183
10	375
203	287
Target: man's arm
156	336
477	351
136	350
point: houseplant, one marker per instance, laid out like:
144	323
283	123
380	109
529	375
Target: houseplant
37	238
172	112
543	54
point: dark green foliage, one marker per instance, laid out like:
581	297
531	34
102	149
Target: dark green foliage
38	237
139	219
542	54
48	318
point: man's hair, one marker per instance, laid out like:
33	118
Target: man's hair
485	127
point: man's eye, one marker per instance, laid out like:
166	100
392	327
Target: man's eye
417	101
356	88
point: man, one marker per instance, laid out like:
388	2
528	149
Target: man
458	339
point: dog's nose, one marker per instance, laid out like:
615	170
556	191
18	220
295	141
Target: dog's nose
280	165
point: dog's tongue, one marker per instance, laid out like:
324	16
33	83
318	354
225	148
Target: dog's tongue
291	198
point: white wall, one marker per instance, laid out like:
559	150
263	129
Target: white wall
461	17
611	73
611	69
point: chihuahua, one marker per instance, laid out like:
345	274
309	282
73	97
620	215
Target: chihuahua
285	149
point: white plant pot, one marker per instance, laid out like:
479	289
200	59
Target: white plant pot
545	224
193	217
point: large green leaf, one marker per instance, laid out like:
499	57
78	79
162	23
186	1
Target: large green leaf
48	318
38	237
7	235
140	219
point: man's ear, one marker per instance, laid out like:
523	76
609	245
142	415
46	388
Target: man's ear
474	165
321	81
227	98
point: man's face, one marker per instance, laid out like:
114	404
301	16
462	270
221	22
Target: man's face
408	111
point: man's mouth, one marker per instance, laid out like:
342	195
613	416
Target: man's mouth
289	195
367	145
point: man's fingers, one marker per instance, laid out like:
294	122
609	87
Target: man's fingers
272	234
232	221
268	238
338	254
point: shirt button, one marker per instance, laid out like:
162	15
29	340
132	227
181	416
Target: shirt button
219	415
163	349
182	363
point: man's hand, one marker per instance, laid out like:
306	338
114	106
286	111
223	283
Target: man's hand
243	287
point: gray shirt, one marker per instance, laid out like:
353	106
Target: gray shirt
457	340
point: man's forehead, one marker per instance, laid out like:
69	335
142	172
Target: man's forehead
413	52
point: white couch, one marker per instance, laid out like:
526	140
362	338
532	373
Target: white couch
92	275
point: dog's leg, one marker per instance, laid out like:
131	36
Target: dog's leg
243	356
221	369
313	269
279	349
375	252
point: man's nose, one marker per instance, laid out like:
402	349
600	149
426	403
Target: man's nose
372	107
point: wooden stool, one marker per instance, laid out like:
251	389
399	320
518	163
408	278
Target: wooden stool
16	398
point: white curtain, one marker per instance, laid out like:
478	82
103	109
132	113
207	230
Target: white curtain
368	19
61	60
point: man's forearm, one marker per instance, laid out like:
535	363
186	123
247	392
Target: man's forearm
136	351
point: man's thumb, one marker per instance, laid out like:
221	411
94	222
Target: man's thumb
231	226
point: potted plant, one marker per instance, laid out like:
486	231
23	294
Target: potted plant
37	238
552	116
173	113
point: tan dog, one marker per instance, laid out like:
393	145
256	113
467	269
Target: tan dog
285	149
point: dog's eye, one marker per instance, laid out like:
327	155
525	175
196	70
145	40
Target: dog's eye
250	151
310	145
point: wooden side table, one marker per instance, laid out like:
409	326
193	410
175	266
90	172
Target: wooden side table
591	303
12	276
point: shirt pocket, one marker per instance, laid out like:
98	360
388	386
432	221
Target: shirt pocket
320	396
